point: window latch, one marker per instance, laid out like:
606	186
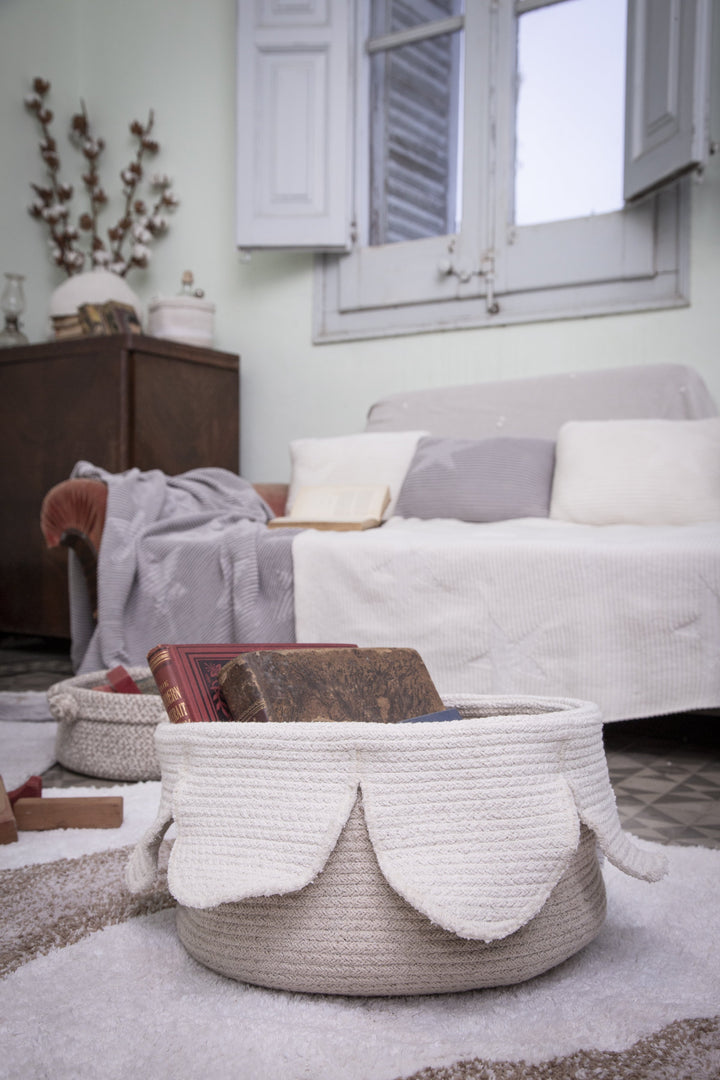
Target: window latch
464	272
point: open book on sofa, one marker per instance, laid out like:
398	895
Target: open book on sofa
336	506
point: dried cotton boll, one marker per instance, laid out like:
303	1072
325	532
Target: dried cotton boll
139	223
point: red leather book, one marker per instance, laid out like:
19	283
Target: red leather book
187	676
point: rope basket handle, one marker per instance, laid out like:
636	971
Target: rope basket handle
64	707
76	699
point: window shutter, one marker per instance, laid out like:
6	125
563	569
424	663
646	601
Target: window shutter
667	92
294	126
414	111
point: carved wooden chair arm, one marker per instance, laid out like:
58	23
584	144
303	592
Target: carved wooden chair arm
73	515
275	495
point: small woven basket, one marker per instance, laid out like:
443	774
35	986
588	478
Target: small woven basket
382	859
110	736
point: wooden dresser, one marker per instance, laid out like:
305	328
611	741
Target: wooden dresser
118	401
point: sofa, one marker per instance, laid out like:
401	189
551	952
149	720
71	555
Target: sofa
556	535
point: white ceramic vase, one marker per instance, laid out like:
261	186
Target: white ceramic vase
92	287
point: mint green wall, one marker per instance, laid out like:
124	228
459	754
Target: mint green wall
177	56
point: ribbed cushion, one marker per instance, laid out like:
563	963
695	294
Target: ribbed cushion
478	479
352	459
638	472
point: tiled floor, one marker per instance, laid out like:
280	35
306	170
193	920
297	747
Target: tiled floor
30	663
666	776
665	771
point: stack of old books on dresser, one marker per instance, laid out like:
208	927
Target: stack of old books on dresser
91	320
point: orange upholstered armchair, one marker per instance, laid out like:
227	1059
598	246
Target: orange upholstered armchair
73	515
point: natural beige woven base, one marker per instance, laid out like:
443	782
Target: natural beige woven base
110	736
349	932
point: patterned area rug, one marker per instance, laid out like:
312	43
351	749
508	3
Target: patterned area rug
686	1050
102	974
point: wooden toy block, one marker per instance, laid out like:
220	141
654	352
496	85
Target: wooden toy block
78	812
31	789
8	827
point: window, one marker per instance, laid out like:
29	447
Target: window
399	135
570	116
414	66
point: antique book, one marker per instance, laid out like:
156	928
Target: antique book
384	685
120	318
112	317
67	326
187	677
91	319
336	506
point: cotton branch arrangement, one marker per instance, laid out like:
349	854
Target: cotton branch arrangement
127	243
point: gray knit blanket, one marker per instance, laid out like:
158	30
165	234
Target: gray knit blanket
183	558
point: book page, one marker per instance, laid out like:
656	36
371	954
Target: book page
340	502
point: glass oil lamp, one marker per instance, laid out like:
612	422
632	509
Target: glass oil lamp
12	303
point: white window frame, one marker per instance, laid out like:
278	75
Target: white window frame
303	177
499	274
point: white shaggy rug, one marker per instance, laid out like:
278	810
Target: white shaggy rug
27	736
25	750
95	984
24	705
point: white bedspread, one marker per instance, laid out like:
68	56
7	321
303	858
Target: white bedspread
625	616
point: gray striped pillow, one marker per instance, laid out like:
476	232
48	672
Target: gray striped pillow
478	479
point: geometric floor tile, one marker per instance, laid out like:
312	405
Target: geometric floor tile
666	777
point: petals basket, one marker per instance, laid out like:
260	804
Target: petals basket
380	859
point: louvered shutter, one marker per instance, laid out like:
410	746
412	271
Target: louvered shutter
294	142
414	113
667	92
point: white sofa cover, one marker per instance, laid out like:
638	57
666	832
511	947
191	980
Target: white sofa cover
539	406
626	615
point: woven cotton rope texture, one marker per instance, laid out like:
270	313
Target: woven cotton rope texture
110	736
468	859
361	938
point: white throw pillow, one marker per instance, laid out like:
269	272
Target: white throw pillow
367	458
642	472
